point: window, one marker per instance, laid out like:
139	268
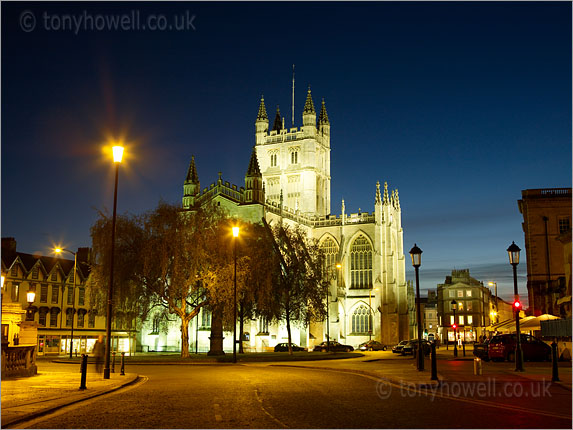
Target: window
468	293
14	271
55	293
470	319
361	263
205	319
53	318
69	317
54	276
460	293
461	320
91	319
361	320
15	292
263	325
70	294
42	318
452	293
81	296
451	320
330	250
274	160
460	306
469	306
564	225
44	293
294	157
155	328
35	273
81	316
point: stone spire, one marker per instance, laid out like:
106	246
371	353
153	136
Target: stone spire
262	115
254	187
278	124
323	116
397	200
393	198
308	113
386	200
378	200
253	169
192	176
309	105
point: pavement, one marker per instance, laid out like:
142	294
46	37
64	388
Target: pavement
57	386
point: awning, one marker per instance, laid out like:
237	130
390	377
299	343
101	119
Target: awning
509	325
535	323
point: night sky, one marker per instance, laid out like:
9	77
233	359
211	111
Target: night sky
458	105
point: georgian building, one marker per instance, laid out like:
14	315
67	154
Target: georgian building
288	180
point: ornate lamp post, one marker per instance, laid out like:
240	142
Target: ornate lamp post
59	251
454	326
235	236
513	253
416	254
117	156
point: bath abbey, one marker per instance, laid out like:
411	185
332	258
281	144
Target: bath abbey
288	180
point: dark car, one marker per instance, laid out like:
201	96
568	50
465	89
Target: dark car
283	347
334	347
397	349
502	347
372	345
480	350
412	345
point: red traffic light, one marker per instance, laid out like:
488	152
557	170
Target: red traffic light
517	305
454	326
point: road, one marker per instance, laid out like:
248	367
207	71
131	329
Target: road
263	396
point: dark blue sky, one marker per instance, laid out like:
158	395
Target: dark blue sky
458	105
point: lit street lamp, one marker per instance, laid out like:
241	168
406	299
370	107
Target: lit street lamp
30	297
59	251
454	326
235	236
416	254
117	156
513	253
494	284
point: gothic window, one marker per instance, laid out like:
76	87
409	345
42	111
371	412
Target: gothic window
55	293
35	273
91	319
263	325
330	250
42	317
361	263
44	293
294	157
54	276
53	318
70	293
81	316
274	159
81	296
69	317
361	320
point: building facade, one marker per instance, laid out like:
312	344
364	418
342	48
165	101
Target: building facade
59	302
473	302
288	181
547	230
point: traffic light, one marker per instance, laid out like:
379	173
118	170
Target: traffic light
517	305
454	326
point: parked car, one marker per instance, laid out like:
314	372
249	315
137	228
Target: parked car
502	347
413	345
397	349
481	350
283	347
372	345
334	347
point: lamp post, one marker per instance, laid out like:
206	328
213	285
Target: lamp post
494	284
59	251
416	254
117	156
235	236
513	253
454	326
30	297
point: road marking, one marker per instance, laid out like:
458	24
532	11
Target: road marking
260	400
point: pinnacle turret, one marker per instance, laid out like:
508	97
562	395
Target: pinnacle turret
262	114
309	105
278	124
386	200
378	200
254	169
192	176
323	116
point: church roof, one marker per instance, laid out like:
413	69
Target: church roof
323	116
192	172
278	125
309	105
262	115
253	169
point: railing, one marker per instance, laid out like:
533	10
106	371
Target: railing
547	192
317	221
18	360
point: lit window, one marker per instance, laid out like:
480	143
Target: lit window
361	263
361	320
15	292
263	325
451	319
470	319
460	306
330	250
469	306
460	293
468	293
564	225
205	319
461	320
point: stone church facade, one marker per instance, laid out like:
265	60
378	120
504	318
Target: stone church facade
288	180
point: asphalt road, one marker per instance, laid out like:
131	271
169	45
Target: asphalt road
262	396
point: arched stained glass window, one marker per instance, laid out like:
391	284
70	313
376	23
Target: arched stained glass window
330	249
361	320
361	263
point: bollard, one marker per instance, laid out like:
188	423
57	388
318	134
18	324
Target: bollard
113	362
434	363
477	366
122	364
555	372
84	370
464	348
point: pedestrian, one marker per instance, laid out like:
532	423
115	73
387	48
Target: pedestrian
98	352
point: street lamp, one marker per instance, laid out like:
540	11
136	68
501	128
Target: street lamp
513	253
59	251
117	156
454	326
494	284
416	254
235	236
30	297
